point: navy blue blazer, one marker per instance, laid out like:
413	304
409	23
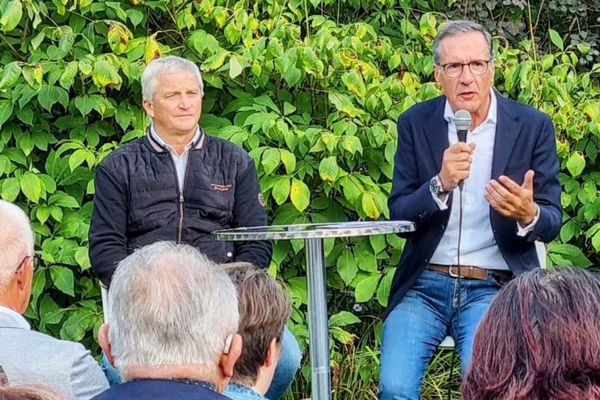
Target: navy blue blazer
524	140
159	389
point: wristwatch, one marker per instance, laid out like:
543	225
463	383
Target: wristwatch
435	186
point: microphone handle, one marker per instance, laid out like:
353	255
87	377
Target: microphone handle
462	137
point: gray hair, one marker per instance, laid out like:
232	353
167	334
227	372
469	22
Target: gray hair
452	28
165	65
170	305
16	238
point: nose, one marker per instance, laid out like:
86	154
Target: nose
185	102
466	76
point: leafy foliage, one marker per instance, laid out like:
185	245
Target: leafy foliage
311	89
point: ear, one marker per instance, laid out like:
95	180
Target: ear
436	73
273	352
229	358
105	343
148	107
24	276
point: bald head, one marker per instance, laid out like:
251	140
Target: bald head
16	240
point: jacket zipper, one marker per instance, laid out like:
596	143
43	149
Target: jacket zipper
181	198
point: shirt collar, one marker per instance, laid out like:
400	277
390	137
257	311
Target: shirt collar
15	318
492	115
162	143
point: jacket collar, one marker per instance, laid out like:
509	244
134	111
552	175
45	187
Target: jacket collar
508	130
197	142
12	319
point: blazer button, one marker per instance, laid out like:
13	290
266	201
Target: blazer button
229	254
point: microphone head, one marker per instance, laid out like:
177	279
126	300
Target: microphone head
462	120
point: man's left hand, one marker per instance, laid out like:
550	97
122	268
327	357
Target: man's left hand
511	199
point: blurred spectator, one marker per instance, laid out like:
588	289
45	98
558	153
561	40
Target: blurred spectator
29	392
172	326
539	340
25	355
264	311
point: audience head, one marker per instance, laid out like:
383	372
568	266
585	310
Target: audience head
264	311
173	314
17	258
540	339
28	392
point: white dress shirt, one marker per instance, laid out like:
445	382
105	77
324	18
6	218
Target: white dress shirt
180	161
478	246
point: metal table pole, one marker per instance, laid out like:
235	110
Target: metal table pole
317	320
313	235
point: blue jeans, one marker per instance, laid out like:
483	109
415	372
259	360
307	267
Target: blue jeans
417	325
287	366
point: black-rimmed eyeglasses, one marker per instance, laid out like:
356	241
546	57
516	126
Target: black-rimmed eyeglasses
36	261
477	67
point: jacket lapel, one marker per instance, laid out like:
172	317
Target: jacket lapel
436	132
507	132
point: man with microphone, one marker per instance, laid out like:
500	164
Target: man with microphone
471	237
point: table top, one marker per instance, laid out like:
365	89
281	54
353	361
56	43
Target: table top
314	231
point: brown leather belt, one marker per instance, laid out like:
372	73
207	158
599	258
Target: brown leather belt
469	272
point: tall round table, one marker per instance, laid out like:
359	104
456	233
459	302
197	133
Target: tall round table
313	235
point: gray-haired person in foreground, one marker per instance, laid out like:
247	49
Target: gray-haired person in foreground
172	326
26	356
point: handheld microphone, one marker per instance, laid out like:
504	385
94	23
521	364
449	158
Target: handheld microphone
462	121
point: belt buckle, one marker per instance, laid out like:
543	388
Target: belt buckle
452	274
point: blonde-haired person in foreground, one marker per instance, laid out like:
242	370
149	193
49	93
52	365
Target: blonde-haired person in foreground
264	311
28	356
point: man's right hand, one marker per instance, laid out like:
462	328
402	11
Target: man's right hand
456	165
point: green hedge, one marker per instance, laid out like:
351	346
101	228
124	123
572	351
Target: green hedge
311	89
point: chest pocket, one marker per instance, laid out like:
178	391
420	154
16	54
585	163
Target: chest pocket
211	199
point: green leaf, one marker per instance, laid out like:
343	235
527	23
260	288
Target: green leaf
289	160
570	253
556	39
67	38
6	110
63	200
576	163
31	186
63	279
365	288
235	68
383	291
49	95
270	160
82	258
299	194
328	169
346	266
281	189
369	205
351	144
105	74
84	104
343	318
135	16
68	76
11	14
118	37
10	75
10	189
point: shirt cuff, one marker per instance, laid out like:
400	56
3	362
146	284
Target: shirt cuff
523	231
442	204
